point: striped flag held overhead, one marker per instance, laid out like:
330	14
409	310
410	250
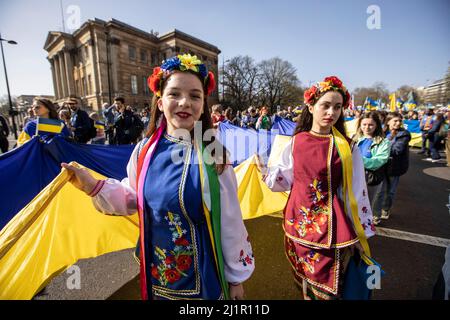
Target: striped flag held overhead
48	126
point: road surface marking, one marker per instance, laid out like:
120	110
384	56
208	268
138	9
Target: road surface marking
402	235
414	237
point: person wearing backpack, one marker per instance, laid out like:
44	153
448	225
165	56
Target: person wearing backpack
128	126
82	126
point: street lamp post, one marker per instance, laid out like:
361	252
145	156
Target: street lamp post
223	77
12	113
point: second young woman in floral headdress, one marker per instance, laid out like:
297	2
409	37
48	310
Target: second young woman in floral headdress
328	213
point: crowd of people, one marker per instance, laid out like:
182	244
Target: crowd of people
193	241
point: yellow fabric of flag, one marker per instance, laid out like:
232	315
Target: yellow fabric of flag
56	229
255	198
350	127
393	102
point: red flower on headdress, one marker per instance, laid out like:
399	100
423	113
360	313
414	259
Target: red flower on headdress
334	80
308	96
211	83
154	80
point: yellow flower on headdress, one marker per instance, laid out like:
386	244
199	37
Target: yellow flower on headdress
325	86
188	62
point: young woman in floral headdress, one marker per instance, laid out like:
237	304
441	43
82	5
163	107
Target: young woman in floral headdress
193	242
324	173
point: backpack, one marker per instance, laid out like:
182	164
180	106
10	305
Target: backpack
136	128
92	132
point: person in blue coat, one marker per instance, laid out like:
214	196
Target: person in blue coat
397	166
44	110
435	138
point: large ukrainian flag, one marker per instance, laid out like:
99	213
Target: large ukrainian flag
56	229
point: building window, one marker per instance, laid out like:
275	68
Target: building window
77	87
83	80
132	53
90	84
134	86
164	56
143	56
146	90
86	52
154	58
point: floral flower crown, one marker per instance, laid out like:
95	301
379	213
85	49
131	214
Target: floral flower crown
184	62
328	84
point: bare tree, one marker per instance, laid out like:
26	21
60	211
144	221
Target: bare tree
377	91
240	82
277	79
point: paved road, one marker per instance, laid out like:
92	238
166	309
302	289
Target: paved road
410	247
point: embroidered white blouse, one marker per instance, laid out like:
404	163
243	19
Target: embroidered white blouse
119	198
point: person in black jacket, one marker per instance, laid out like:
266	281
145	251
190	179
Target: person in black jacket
80	122
128	126
434	137
4	133
398	165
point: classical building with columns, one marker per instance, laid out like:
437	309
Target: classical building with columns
102	60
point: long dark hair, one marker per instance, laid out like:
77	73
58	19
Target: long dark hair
53	114
378	134
305	121
205	119
389	117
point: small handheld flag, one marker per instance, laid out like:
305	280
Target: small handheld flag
48	126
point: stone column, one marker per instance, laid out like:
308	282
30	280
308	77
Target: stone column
114	71
69	73
52	66
63	75
57	77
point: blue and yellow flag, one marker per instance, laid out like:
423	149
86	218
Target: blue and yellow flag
371	104
410	104
99	125
56	229
48	126
399	103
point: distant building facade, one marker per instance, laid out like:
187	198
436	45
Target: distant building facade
26	101
102	60
435	93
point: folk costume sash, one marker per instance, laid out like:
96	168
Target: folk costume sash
211	205
345	154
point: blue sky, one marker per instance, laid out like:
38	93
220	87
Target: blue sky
319	38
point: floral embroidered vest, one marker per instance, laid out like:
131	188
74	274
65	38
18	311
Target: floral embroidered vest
178	246
314	215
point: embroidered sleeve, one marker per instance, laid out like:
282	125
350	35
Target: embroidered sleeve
119	197
361	195
279	177
239	262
